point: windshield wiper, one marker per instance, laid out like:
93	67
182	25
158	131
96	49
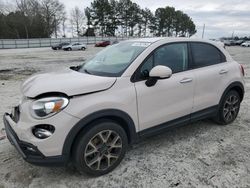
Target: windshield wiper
85	70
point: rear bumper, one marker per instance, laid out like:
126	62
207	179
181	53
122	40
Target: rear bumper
28	151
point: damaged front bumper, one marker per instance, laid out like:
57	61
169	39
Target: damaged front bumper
28	151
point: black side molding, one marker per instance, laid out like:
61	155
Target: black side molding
203	114
206	113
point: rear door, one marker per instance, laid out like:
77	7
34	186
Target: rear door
211	74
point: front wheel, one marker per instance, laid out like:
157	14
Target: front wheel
229	108
100	149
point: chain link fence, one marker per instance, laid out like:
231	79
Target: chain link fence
47	42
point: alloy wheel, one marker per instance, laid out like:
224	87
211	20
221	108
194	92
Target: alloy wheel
231	108
103	150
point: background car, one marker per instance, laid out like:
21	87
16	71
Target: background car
115	42
246	44
59	46
239	42
75	46
103	44
229	42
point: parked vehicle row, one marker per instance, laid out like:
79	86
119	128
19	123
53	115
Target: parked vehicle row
236	43
80	46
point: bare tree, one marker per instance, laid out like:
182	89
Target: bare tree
53	12
77	18
29	8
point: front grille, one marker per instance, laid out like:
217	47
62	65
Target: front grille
15	115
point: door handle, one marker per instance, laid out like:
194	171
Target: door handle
223	71
186	80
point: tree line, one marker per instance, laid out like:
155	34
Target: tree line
44	18
123	17
32	19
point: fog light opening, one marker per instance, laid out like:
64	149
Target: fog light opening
30	149
43	131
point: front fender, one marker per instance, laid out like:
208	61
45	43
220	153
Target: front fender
108	113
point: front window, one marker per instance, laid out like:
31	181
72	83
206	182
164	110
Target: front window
114	60
174	56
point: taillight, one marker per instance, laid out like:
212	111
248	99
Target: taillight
242	70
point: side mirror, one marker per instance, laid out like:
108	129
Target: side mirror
158	72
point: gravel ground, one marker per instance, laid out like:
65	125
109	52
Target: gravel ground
201	154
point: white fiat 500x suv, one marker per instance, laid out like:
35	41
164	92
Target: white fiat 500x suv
89	114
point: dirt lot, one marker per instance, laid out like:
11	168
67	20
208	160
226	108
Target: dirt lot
202	154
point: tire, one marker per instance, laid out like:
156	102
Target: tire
100	149
229	108
83	48
69	49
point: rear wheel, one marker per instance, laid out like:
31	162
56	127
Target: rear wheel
229	108
83	48
100	149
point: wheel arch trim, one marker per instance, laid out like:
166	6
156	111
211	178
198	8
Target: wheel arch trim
83	123
233	85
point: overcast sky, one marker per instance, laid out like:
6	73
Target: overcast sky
222	17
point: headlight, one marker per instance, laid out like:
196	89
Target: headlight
46	107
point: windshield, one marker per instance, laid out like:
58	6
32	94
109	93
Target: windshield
114	60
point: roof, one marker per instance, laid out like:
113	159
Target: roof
151	40
169	39
175	39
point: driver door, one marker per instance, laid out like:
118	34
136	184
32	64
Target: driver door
170	98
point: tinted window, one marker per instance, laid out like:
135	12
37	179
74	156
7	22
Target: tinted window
174	56
205	55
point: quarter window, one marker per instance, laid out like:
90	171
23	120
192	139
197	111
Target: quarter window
146	67
205	55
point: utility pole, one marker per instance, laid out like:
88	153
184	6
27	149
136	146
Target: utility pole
55	25
203	31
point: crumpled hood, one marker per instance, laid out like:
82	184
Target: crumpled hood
67	81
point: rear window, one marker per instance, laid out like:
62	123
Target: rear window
206	55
